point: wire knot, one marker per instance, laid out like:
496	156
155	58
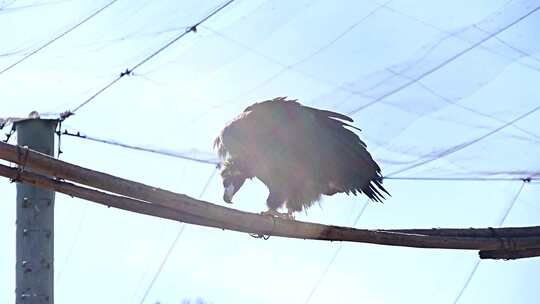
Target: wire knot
10	133
260	236
64	115
265	236
127	72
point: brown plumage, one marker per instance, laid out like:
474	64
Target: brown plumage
298	152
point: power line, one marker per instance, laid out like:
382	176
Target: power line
456	34
533	136
215	162
511	205
71	249
165	258
469	278
184	156
333	259
450	35
462	146
474	178
412	80
129	71
477	263
58	37
285	68
442	64
173	244
6	7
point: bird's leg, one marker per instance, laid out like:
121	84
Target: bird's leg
290	214
274	201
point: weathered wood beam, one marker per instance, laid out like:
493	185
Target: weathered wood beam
474	232
153	201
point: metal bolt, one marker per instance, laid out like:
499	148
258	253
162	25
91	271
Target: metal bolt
26	265
24	296
45	263
26	202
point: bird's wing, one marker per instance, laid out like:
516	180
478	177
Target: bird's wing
344	160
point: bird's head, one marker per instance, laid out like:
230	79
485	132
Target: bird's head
233	178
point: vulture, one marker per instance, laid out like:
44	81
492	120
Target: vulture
300	153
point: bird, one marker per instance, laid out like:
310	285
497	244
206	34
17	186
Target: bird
300	153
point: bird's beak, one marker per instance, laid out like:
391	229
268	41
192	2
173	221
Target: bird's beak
229	193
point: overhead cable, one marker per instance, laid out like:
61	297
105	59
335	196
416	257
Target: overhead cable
130	71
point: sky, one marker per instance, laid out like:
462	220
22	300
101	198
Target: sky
440	90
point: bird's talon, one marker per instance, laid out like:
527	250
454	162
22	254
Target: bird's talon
274	213
271	213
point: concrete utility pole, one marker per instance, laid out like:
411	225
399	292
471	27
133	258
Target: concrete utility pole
35	219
